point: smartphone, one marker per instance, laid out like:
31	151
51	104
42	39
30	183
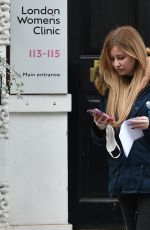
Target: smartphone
97	112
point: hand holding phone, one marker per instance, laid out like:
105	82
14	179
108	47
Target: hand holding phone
98	113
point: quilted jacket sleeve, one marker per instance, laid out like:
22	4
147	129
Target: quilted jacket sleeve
98	136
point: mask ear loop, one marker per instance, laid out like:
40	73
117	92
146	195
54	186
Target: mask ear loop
111	143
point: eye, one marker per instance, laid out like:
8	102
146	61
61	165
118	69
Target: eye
121	57
111	59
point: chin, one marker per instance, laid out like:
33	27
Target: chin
122	74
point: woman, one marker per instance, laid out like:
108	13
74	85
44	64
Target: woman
123	83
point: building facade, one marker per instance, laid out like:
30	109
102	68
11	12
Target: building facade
52	176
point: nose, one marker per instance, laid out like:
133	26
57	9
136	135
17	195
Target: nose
116	63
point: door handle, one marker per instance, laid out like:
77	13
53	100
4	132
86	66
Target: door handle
93	70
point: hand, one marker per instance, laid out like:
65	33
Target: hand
139	122
101	122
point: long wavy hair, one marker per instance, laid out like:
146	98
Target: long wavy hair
122	93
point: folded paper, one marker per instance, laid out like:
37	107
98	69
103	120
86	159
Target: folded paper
128	135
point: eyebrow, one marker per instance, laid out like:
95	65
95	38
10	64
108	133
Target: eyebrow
118	55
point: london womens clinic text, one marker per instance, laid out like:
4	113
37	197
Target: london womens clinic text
32	17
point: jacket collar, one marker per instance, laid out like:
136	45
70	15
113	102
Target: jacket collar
141	100
144	88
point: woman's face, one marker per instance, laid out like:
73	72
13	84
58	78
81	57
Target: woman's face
122	62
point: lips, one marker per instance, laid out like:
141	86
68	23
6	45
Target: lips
119	70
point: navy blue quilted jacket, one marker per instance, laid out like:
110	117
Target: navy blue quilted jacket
129	174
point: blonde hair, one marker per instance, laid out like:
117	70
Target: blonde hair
121	93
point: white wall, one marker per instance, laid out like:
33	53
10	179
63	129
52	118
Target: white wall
37	165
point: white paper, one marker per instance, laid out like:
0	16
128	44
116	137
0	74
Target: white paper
127	136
